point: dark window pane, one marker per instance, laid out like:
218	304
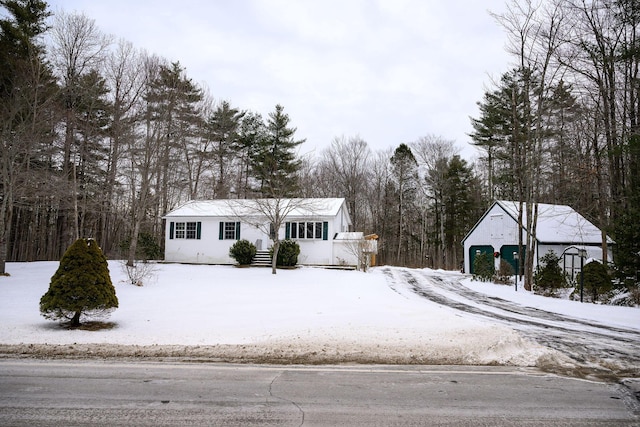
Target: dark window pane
191	230
229	230
180	230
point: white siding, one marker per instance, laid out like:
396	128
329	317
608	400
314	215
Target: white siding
210	249
497	226
497	229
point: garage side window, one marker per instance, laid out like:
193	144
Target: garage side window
185	230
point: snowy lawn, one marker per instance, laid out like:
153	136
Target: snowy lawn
307	315
626	317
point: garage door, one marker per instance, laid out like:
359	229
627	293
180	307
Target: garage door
509	252
474	251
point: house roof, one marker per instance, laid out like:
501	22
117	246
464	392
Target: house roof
556	224
253	207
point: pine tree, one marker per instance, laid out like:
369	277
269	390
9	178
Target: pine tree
550	277
483	267
81	286
251	132
404	169
26	89
626	230
597	281
461	208
274	162
222	128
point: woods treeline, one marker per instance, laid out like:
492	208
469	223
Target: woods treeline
101	139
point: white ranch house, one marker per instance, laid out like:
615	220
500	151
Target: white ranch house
202	231
559	228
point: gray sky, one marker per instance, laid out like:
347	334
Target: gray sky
388	71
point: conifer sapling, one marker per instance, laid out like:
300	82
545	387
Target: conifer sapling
81	286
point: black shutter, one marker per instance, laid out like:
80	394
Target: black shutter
238	230
171	230
221	235
325	230
198	230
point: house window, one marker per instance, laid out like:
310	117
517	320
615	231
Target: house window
307	230
185	230
180	230
191	230
230	230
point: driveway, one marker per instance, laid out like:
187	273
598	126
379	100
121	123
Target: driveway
593	349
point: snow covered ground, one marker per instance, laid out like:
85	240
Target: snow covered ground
306	315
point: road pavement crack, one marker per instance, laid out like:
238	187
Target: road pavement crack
284	399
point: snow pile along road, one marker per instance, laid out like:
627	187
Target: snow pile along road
307	315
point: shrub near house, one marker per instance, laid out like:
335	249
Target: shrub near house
243	252
597	281
483	267
549	276
288	253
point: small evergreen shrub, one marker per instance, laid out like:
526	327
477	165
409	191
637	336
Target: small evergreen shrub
148	248
549	277
81	286
287	254
505	273
243	252
597	281
483	267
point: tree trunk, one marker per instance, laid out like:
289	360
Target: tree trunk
274	259
531	244
3	253
5	227
75	321
133	246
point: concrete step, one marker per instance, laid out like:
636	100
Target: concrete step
261	258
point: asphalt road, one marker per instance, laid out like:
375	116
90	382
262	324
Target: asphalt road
110	393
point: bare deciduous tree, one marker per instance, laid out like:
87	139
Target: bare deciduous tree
346	167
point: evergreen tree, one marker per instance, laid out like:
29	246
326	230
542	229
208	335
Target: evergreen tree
597	281
27	87
81	286
222	129
549	277
626	230
500	131
462	207
274	166
173	101
274	161
251	132
93	119
483	267
404	169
